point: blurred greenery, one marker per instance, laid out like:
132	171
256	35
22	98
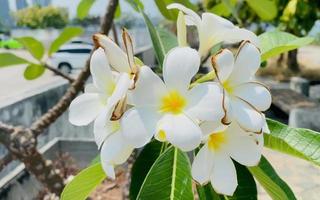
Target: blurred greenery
42	17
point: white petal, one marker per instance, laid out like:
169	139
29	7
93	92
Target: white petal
246	64
149	88
265	128
247	117
255	94
123	84
109	170
237	34
224	175
179	66
181	131
100	70
191	17
243	147
139	125
116	56
84	109
181	30
90	88
115	150
223	62
209	127
202	165
103	127
205	102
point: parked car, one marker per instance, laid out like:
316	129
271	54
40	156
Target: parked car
71	56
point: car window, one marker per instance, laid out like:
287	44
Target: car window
74	51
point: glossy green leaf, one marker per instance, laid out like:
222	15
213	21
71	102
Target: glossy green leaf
137	5
34	46
117	14
276	42
142	165
289	10
265	9
299	142
168	39
85	182
168	178
66	35
7	59
246	190
172	14
270	181
155	39
33	71
84	8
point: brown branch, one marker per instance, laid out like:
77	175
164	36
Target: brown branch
57	110
59	73
5	160
115	34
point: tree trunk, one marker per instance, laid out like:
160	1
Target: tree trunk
292	61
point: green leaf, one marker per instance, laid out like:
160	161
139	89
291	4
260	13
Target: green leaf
270	181
85	182
168	39
142	165
156	40
117	14
289	10
66	35
34	46
33	71
276	42
137	5
265	9
7	59
246	190
84	8
172	14
299	142
168	178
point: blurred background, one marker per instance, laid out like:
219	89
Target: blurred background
294	79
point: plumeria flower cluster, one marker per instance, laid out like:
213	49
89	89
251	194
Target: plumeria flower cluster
130	104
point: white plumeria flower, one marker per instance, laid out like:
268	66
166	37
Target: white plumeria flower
244	98
213	162
169	109
213	29
104	101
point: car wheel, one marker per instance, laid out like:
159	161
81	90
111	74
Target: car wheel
65	68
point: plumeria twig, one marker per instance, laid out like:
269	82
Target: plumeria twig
59	73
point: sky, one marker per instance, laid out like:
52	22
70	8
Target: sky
99	7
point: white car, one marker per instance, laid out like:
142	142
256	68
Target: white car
71	56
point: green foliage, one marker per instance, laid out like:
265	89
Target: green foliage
66	35
42	17
173	13
8	59
33	71
168	39
246	190
137	5
84	8
299	142
142	165
85	182
168	178
156	40
277	42
34	46
265	9
270	181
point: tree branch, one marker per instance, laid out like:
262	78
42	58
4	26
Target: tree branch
57	110
6	160
59	73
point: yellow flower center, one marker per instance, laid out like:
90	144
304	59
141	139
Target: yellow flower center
173	103
226	85
216	140
162	135
110	87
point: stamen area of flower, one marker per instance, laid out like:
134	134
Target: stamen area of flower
173	103
110	87
227	86
216	141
